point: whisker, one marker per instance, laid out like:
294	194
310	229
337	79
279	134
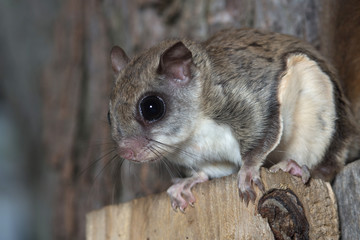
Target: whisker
270	161
105	166
117	179
93	186
96	161
102	143
191	155
167	161
163	159
175	168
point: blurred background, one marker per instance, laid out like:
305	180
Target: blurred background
26	180
56	158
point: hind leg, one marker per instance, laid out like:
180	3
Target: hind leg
293	168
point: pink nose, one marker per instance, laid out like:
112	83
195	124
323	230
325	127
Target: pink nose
127	153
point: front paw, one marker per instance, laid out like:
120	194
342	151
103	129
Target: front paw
246	177
180	192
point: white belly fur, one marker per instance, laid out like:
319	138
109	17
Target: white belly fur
213	150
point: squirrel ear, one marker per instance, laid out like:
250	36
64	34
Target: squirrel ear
119	59
175	63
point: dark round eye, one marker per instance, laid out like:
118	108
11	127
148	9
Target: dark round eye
152	108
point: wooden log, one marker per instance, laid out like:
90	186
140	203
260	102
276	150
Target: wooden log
347	190
294	211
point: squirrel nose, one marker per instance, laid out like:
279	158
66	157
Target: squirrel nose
127	153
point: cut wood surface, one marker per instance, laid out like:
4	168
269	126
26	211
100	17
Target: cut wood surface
218	213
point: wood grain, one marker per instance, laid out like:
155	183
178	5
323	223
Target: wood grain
347	190
218	213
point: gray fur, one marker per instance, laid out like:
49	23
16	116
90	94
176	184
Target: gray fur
235	79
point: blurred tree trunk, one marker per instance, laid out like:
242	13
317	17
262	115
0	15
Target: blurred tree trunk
78	81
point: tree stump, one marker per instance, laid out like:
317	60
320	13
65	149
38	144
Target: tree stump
287	210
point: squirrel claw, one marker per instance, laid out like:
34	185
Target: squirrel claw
180	192
246	177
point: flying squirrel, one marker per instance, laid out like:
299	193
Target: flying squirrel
233	103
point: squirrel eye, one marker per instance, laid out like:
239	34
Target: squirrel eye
152	108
